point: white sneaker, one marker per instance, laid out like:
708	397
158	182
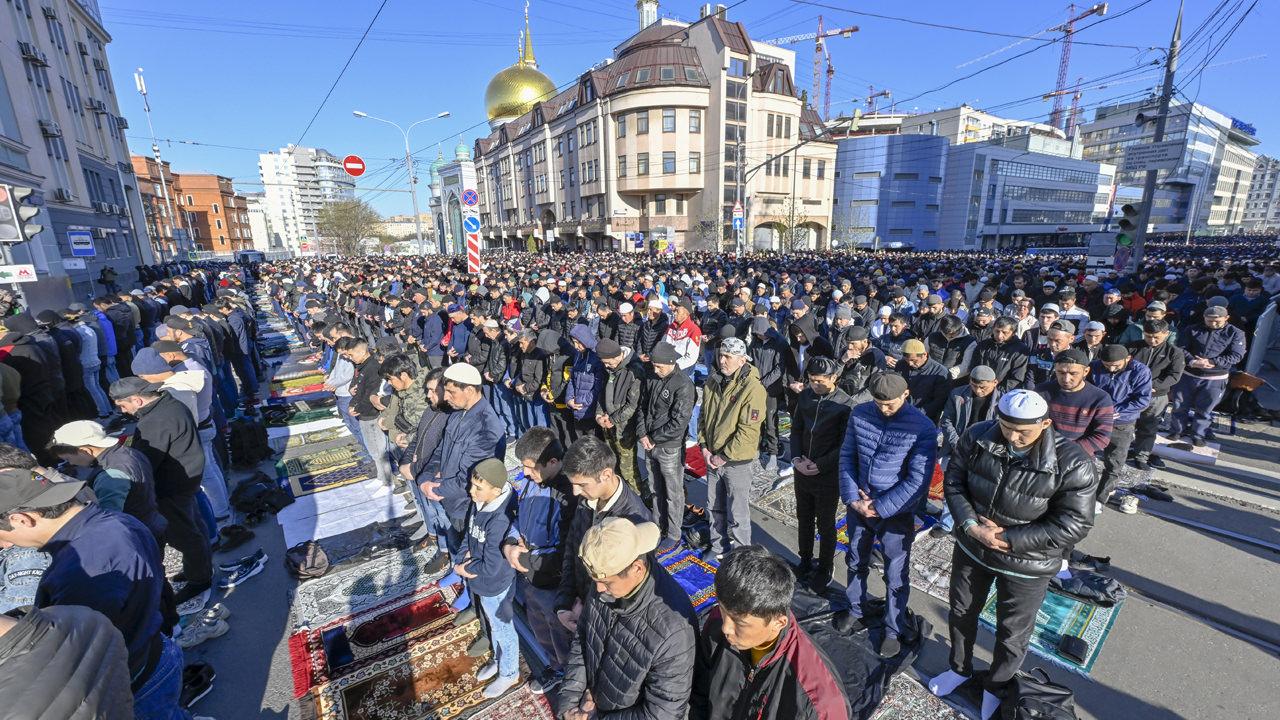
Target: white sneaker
1097	508
499	687
195	604
1129	504
489	670
197	633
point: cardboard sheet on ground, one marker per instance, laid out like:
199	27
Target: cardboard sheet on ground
286	431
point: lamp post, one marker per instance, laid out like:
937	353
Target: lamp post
408	161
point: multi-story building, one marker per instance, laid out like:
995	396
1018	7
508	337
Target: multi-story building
61	133
888	190
652	148
1012	194
264	238
402	227
1262	206
963	124
216	215
297	181
1208	188
161	207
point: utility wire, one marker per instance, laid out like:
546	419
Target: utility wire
341	72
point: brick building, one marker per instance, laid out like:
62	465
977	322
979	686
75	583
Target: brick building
217	216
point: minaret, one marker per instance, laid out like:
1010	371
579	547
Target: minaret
648	12
526	50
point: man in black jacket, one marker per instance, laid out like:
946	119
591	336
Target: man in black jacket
768	353
666	406
928	379
166	435
633	654
39	399
1167	363
1021	495
616	411
859	360
817	431
754	661
1006	355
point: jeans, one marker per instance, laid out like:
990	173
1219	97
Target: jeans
20	572
895	535
728	503
666	475
17	439
213	482
375	442
697	406
95	390
502	634
248	374
158	697
1144	436
109	370
7	434
1193	401
1017	602
540	610
353	425
816	503
1113	459
207	517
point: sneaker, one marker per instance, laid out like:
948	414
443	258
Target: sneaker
549	681
233	536
1156	462
213	613
246	560
197	681
499	687
242	573
1141	464
1129	504
819	581
487	671
1097	507
189	591
1197	442
197	633
803	569
890	647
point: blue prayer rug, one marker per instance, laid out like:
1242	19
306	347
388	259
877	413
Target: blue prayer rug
695	575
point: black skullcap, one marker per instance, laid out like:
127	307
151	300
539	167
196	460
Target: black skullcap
1071	356
1112	353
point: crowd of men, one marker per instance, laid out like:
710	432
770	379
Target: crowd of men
611	373
93	626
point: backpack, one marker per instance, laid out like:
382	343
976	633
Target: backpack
306	560
1033	696
248	442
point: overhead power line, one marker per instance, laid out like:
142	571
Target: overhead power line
341	72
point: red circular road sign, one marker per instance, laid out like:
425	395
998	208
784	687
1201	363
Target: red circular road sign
354	165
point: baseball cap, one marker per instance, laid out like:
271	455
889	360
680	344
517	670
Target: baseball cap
149	362
81	433
1215	311
1157	305
130	386
21	488
760	325
733	346
1051	307
986	311
856	333
933	299
913	347
492	471
1094	325
491	324
614	543
456	307
1022	407
982	373
463	374
886	386
1112	353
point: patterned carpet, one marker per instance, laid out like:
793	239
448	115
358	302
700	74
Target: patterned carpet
356	589
1061	615
907	699
694	574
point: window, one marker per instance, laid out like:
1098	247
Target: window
642	122
735	90
668	120
691	75
695	121
215	208
559	149
735	111
622	166
734	133
622	126
642	75
642	164
218	223
903	203
679	204
769	126
787	133
622	80
737	67
1050	217
562	172
667	73
695	163
659	204
786	166
668	163
768	165
906	176
804	173
189	202
872	175
573	177
822	169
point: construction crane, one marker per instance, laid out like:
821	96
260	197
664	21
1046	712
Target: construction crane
819	54
1068	30
872	94
1073	115
826	94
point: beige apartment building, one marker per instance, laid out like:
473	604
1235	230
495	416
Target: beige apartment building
652	149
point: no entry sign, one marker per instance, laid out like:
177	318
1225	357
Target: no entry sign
354	165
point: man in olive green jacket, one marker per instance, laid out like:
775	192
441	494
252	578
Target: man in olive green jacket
733	410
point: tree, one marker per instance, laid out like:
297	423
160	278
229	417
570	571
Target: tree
792	217
705	233
343	224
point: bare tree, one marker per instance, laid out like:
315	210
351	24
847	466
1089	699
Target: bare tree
792	217
344	223
706	233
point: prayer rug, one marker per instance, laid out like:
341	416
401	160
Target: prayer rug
312	438
328	400
907	699
298	380
287	377
931	565
358	588
317	462
1061	615
432	679
301	390
349	643
694	574
778	504
518	704
332	478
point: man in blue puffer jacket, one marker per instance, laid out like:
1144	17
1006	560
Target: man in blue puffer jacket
886	463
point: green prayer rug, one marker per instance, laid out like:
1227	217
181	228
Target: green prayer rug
1061	615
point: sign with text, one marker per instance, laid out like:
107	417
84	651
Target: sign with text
81	242
1152	156
18	273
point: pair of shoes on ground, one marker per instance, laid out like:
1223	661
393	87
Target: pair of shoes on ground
209	624
238	573
197	681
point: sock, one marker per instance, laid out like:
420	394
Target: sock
944	684
1065	572
462	601
990	703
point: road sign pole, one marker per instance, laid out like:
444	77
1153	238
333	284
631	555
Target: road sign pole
1149	186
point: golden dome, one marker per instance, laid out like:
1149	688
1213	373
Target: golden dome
514	91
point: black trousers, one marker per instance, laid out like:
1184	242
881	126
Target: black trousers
816	502
769	431
1017	601
1144	438
187	535
1113	459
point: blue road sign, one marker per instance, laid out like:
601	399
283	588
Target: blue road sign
739	223
471	223
469	197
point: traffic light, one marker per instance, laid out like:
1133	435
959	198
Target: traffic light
1130	213
15	215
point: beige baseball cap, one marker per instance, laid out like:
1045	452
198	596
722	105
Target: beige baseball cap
82	433
610	546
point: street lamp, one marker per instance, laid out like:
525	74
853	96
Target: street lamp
408	161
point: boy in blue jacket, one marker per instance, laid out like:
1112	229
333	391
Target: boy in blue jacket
489	576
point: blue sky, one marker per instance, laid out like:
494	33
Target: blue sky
251	75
